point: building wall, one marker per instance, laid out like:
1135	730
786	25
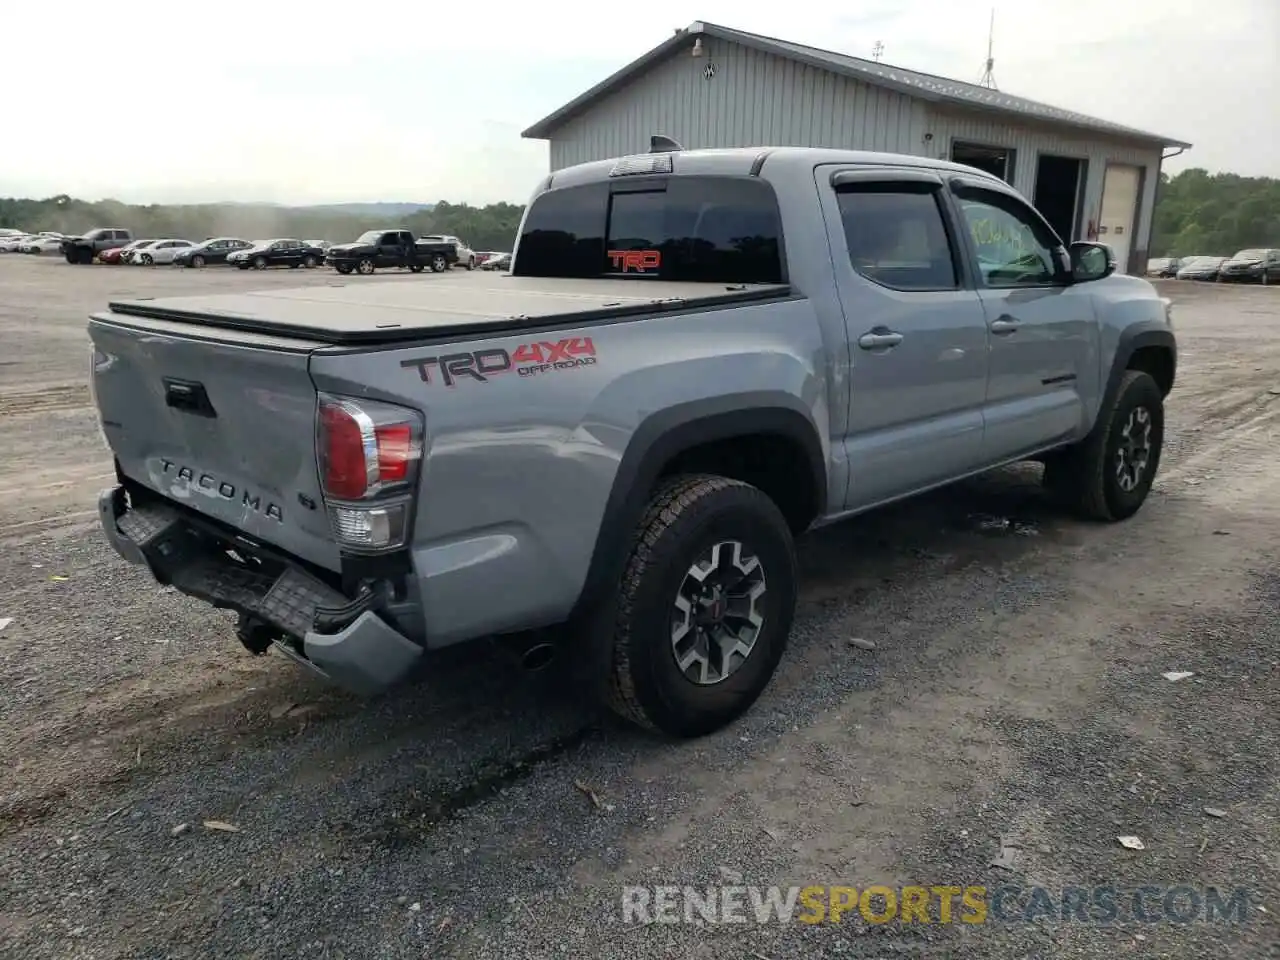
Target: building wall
757	99
754	99
1030	141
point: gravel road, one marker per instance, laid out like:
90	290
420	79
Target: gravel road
1006	694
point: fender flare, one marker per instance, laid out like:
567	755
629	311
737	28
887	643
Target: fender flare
671	431
1148	333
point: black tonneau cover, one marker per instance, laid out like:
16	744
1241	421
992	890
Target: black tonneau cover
386	311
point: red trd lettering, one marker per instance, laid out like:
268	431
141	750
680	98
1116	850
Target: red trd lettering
637	260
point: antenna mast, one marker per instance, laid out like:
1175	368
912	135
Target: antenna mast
877	51
988	75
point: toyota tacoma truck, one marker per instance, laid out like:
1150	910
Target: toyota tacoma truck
376	249
697	357
85	248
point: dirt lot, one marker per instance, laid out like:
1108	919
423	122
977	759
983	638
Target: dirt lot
1013	698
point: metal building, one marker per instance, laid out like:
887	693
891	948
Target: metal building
711	86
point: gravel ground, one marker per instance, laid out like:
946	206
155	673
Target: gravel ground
1010	697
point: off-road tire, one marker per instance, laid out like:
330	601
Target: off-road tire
684	518
1084	477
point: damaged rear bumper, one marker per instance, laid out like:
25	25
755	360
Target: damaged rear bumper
357	649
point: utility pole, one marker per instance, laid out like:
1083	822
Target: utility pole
877	51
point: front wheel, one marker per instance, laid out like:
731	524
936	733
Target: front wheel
146	260
439	264
343	268
197	261
704	607
1108	475
471	264
309	263
259	263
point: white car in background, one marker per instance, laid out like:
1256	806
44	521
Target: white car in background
40	245
11	244
162	251
466	256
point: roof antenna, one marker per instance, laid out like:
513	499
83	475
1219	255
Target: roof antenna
877	51
660	144
988	76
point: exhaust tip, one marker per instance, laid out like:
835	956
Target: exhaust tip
538	657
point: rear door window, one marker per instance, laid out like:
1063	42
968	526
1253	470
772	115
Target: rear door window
712	229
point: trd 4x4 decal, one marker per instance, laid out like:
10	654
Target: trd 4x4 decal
528	360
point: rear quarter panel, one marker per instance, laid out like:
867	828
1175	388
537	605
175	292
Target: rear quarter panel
518	468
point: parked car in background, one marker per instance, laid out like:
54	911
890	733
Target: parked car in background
41	245
131	250
85	248
1251	266
497	261
281	252
1164	267
7	233
1201	268
160	252
212	251
466	256
111	256
322	244
12	243
383	249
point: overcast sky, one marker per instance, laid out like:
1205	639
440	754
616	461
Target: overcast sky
315	102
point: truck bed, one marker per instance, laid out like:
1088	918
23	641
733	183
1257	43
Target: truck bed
350	313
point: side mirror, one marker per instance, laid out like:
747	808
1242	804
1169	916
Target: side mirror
1091	261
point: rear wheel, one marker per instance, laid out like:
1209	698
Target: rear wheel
309	263
704	606
364	266
415	267
439	264
471	264
1108	475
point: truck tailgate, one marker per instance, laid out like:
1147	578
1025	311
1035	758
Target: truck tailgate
220	421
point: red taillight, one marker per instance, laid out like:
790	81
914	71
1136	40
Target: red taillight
366	447
344	471
395	451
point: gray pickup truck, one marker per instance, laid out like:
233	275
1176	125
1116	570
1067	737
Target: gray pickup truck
84	248
697	357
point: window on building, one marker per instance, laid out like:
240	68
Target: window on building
713	229
896	235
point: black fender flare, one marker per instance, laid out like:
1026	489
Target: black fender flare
1147	333
665	434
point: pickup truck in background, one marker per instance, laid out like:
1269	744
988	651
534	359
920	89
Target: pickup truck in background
613	449
83	249
466	257
381	249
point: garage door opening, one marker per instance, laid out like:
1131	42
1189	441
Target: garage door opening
997	161
1058	181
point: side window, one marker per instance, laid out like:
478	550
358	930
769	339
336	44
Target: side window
897	237
388	239
1014	249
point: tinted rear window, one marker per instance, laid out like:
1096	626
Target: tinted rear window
712	229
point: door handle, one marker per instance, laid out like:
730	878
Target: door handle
879	340
1003	325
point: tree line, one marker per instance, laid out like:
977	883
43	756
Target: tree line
491	227
1196	213
1199	213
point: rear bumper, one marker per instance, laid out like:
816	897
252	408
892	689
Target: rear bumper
360	652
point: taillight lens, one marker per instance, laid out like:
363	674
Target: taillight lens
369	454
